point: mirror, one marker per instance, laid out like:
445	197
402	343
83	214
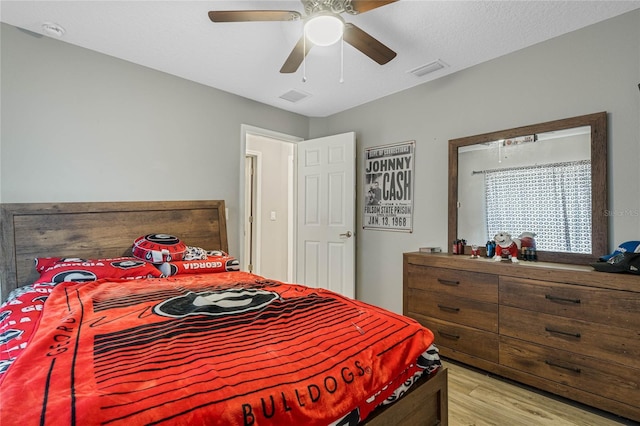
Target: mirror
573	149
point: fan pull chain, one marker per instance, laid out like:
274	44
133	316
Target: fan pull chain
342	59
304	59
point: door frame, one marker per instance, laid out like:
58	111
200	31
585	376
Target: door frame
255	198
247	130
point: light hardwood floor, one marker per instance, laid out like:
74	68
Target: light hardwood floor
477	399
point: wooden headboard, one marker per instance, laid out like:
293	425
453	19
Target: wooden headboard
98	230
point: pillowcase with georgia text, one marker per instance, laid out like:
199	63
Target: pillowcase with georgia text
215	261
65	269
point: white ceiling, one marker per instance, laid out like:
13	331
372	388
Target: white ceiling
178	38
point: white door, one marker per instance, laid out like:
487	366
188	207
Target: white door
326	213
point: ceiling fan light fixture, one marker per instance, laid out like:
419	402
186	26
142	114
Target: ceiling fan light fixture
324	29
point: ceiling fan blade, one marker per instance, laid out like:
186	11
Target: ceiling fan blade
253	15
362	6
296	56
367	44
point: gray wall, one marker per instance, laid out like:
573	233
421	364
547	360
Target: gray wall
590	70
81	126
78	125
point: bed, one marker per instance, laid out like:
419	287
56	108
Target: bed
118	350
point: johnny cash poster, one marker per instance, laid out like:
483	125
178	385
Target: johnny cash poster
388	187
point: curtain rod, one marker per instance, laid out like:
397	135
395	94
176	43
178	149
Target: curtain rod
536	166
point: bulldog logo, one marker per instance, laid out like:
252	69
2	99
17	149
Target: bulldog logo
77	276
224	302
165	239
232	265
127	264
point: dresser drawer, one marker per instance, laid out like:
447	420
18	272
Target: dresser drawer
454	309
613	344
471	285
609	380
471	341
612	307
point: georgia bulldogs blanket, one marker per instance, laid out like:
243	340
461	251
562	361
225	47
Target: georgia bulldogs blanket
228	348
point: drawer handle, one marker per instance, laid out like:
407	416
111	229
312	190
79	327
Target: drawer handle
564	333
448	308
448	282
448	335
561	299
565	367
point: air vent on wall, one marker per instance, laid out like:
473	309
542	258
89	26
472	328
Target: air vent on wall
428	68
294	95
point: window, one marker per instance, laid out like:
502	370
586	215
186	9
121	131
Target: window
514	205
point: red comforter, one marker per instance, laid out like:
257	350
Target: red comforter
228	348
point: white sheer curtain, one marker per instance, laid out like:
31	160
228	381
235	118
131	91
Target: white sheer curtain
552	200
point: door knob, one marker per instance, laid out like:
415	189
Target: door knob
347	234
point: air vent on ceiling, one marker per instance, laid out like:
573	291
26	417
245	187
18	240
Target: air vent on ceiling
53	29
294	95
428	68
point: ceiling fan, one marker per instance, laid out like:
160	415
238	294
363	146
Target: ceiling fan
316	11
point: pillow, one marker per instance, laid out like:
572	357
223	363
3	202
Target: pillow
43	263
82	270
158	248
217	262
19	317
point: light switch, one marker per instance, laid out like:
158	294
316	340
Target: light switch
273	215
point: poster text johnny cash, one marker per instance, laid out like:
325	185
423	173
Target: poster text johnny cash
388	186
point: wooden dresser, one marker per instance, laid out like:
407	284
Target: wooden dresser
565	329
